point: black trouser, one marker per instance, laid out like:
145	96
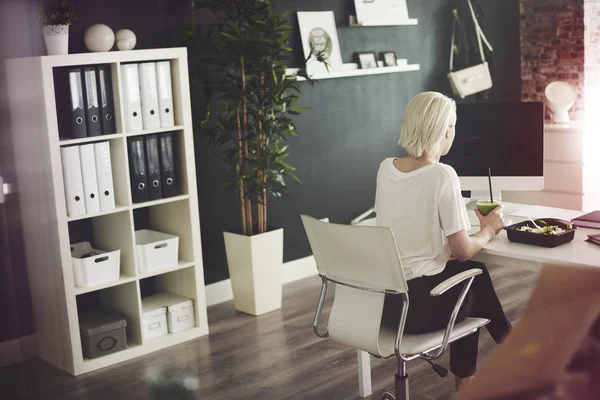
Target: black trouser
428	314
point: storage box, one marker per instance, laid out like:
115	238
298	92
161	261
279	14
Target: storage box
180	310
154	320
93	267
102	332
156	250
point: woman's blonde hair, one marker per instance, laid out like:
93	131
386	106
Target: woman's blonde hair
426	121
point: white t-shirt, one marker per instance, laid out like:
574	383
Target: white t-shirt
422	208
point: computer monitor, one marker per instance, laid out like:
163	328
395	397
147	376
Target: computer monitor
506	137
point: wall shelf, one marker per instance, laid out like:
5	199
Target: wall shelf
410	21
363	72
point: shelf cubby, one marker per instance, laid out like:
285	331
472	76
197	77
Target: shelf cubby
181	282
123	299
62	93
172	218
180	166
108	233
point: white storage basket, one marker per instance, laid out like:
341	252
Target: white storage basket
93	267
156	250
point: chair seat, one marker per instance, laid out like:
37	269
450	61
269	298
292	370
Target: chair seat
417	344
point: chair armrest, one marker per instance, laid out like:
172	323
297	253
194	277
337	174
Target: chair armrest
467	276
362	216
453	281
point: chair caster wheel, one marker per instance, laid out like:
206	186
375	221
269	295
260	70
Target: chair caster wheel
388	396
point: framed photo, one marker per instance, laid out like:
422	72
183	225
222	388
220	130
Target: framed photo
367	60
319	34
389	58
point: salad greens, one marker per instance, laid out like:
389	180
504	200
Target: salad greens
544	229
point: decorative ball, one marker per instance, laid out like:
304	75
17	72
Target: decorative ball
126	39
98	38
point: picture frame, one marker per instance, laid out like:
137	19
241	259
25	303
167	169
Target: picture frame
389	58
318	31
367	59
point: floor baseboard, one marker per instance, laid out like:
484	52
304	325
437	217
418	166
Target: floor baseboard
25	348
221	292
17	350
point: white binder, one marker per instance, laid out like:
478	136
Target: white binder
71	167
90	181
149	93
106	189
131	98
165	94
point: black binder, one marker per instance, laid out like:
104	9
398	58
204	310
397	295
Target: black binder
105	98
153	168
68	88
167	165
92	109
137	170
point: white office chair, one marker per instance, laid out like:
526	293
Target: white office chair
364	264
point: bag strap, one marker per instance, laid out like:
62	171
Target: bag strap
477	31
480	34
452	44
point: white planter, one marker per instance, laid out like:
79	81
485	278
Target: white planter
255	264
57	39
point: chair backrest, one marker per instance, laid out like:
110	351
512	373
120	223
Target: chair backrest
364	261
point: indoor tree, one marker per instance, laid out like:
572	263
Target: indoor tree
250	100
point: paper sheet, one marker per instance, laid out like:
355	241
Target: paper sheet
534	212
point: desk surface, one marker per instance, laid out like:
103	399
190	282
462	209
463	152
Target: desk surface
503	252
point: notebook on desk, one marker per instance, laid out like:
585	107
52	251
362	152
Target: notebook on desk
590	220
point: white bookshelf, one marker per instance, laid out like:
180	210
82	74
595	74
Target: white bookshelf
37	145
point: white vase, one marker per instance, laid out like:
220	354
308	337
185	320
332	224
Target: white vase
255	264
57	39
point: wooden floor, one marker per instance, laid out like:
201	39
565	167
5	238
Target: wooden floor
275	356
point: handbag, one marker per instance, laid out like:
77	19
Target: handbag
477	78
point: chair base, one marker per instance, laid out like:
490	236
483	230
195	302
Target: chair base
401	389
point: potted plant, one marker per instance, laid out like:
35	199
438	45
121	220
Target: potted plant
56	16
250	104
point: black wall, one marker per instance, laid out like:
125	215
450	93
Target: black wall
352	124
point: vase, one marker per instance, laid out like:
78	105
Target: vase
255	264
57	39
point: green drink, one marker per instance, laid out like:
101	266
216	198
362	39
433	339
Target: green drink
486	206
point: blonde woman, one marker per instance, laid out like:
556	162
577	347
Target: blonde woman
420	199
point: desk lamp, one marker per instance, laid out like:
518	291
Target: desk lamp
560	97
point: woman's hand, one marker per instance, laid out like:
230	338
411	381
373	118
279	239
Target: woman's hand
493	220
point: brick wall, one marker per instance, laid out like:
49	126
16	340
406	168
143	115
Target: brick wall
592	60
553	47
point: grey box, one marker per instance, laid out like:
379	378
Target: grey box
102	332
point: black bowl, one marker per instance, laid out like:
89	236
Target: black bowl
537	239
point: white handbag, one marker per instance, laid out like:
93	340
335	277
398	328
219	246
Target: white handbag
473	79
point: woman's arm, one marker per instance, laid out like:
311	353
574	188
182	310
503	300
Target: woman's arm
464	247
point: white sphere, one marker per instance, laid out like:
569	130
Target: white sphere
126	39
99	38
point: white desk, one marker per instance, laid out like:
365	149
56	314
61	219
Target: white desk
500	251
